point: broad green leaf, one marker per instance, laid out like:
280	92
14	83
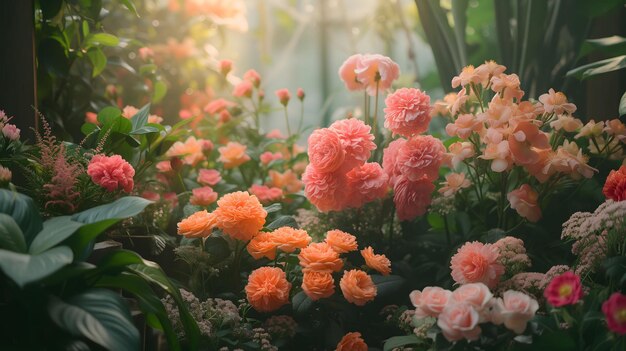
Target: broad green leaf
107	114
459	13
145	130
23	211
24	268
301	303
88	128
613	45
86	234
275	207
98	60
141	117
622	105
399	341
118	260
102	39
160	89
387	284
99	315
121	208
217	248
282	221
130	5
85	28
11	236
54	231
599	67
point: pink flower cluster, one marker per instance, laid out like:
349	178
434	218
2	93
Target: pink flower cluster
459	313
370	72
338	175
512	255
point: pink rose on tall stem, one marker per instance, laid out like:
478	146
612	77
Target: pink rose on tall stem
111	173
614	310
564	290
203	196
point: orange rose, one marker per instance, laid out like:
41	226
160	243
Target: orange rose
233	155
262	245
198	225
341	242
190	151
352	342
267	289
288	181
377	262
318	285
240	215
288	239
357	287
320	257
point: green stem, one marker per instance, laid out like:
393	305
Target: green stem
287	122
375	110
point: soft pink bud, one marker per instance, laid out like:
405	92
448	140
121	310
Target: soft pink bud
225	66
283	95
300	94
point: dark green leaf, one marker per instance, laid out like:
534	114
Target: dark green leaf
399	341
140	118
23	211
104	39
614	46
130	5
283	221
160	89
88	128
217	248
301	303
54	231
145	130
121	208
387	284
599	67
108	114
622	105
24	268
11	236
50	8
98	60
118	260
275	207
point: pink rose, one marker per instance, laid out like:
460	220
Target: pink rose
225	66
412	198
390	155
11	132
300	94
327	191
283	96
217	106
421	156
475	294
209	177
525	201
347	73
514	309
326	152
268	157
366	183
459	321
429	302
253	77
615	312
407	112
476	262
356	139
243	89
203	196
376	72
563	290
266	194
111	173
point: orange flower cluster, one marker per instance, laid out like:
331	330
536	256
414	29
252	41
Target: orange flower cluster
286	239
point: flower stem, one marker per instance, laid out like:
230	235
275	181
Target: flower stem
375	131
287	122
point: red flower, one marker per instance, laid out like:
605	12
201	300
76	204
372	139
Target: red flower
615	311
564	290
615	186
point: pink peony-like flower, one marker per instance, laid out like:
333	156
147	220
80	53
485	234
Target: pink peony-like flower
421	156
390	156
327	191
459	321
209	177
407	112
266	194
514	309
268	157
476	295
366	183
454	182
564	290
243	89
283	96
203	196
11	132
376	72
525	201
111	172
614	310
429	302
347	73
556	102
326	152
412	198
356	139
476	262
464	125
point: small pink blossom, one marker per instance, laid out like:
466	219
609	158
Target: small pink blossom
429	302
243	89
500	156
268	157
508	86
390	156
275	134
209	177
91	117
567	123
476	262
151	195
300	94
145	53
217	106
347	73
556	102
266	194
253	77
468	75
164	166
514	309
111	173
11	132
129	111
5	175
525	201
407	112
190	150
203	196
458	152
464	126
453	184
283	96
225	66
524	142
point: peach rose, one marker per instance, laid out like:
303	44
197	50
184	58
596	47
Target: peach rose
262	245
203	196
289	239
326	152
318	285
209	177
240	215
430	301
190	151
356	139
352	342
233	155
267	289
319	257
421	156
459	321
379	263
341	242
475	294
357	287
198	225
514	309
525	201
476	262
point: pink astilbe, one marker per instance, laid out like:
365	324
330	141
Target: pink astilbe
60	191
512	255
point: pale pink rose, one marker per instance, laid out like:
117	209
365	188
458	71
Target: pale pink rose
514	309
327	191
524	142
217	106
347	73
464	125
454	182
412	198
129	111
268	157
275	134
390	155
500	156
476	295
253	77
366	183
243	89
91	117
556	102
468	75
476	262
11	132
111	172
458	152
407	112
525	201
5	175
459	321
300	94
209	177
508	86
429	302
203	196
326	151
190	151
356	139
266	194
283	96
376	72
164	166
225	66
421	156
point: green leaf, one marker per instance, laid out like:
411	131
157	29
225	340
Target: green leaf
54	231
50	8
24	268
130	5
104	39
88	128
613	45
23	211
275	207
118	260
217	248
121	208
145	130
141	117
108	114
599	67
160	89
399	341
85	28
86	234
459	13
387	284
622	105
301	303
99	315
11	236
98	60
282	221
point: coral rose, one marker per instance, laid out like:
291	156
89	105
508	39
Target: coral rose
390	155
356	139
319	257
266	194
111	172
615	185
525	201
379	263
347	73
198	225
421	156
376	72
203	196
318	285
476	262
289	239
262	245
564	289
430	301
233	155
407	112
459	321
352	342
327	191
240	215
614	310
357	287
341	242
514	309
366	184
326	152
412	198
209	177
267	289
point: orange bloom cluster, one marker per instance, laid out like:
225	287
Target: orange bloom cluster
286	239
